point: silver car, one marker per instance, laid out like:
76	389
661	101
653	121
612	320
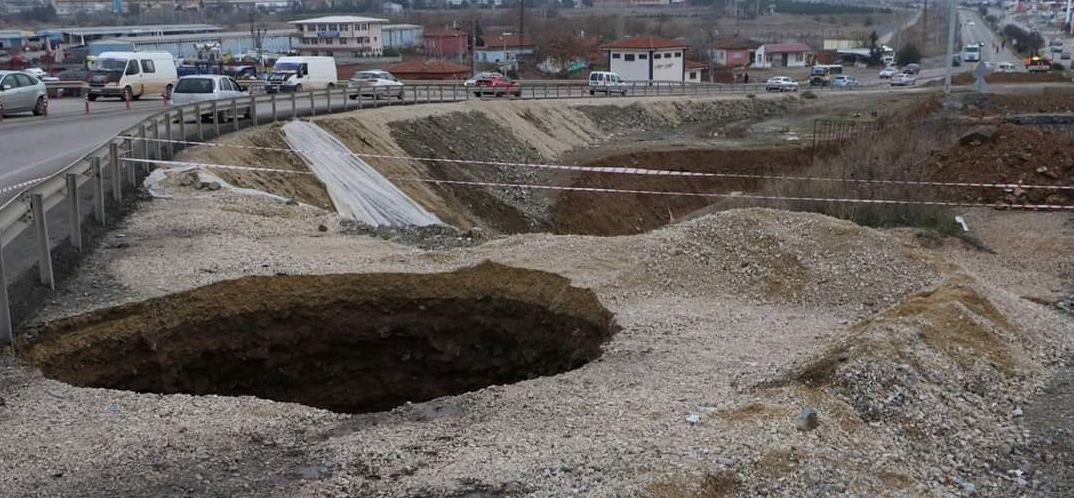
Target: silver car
21	92
207	88
375	84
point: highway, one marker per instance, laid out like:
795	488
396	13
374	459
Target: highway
979	32
36	146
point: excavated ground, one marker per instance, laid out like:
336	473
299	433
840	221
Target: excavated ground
349	343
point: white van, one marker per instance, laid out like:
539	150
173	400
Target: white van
1005	67
140	73
607	82
294	74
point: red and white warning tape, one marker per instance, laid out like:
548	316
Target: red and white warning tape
728	195
642	171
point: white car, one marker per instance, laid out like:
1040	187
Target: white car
207	88
21	92
971	23
888	72
781	84
375	84
903	79
481	76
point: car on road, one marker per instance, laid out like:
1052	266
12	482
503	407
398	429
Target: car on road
1057	49
481	76
971	23
376	84
21	92
912	69
1065	56
845	81
73	77
904	79
781	84
498	86
956	60
207	88
1004	67
888	72
607	83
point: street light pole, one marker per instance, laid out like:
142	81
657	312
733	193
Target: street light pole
950	48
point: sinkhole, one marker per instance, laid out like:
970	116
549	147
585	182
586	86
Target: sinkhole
349	343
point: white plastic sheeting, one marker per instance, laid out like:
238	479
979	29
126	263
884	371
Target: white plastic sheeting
358	191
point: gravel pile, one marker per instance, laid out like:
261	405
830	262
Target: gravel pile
734	326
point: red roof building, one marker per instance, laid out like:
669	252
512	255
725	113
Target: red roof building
737	51
445	43
784	55
647	58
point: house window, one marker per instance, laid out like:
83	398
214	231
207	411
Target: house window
798	57
628	57
678	55
656	56
615	56
693	75
643	56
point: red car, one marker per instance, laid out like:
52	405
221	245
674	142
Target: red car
497	85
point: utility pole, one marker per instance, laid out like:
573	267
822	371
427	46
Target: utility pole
521	36
949	66
925	19
473	44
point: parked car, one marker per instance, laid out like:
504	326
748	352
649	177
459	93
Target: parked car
606	82
481	76
845	81
375	84
956	60
888	72
498	86
207	88
1065	56
21	92
904	79
912	69
781	84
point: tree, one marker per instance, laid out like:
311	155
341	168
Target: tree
875	53
908	54
561	48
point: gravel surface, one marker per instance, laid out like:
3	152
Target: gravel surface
917	365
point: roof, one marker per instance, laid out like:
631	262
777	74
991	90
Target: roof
389	27
512	40
644	43
339	19
783	48
737	43
147	29
429	67
695	65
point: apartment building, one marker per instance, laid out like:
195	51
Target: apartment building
340	36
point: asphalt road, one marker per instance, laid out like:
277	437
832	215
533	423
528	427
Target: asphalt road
981	33
36	146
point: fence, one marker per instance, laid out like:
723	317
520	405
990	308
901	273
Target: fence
109	178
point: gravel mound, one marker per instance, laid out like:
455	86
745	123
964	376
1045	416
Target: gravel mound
772	256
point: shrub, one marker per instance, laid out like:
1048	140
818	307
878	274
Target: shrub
808	95
908	54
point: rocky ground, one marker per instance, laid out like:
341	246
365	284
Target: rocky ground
756	352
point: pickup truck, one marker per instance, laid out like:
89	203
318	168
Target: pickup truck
498	86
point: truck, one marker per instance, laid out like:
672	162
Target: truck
294	74
822	74
971	53
1038	64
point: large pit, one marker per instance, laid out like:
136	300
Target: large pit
349	343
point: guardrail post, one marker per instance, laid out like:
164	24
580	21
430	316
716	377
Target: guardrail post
5	307
328	97
253	109
132	177
313	104
294	108
275	116
98	188
198	121
142	143
44	249
117	183
156	139
73	209
235	114
216	119
168	134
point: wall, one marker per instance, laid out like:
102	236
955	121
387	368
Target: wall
668	64
636	70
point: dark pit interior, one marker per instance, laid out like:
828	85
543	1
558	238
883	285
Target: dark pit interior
349	343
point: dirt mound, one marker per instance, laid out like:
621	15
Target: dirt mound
779	257
978	104
351	343
625	213
1019	154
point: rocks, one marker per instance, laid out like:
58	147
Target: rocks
979	135
693	419
806	420
1016	413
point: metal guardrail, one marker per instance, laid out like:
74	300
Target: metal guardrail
104	169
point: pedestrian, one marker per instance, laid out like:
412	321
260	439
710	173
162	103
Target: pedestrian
746	78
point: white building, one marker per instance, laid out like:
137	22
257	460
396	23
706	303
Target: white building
784	55
340	36
647	58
